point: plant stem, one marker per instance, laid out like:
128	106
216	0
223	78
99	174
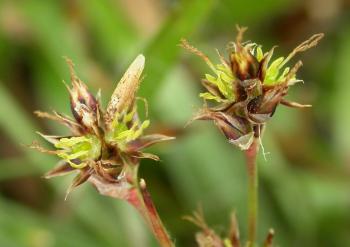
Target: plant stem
252	169
139	197
142	201
156	223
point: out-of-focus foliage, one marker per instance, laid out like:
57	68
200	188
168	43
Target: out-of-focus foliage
305	183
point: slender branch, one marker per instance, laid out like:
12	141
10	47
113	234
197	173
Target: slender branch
138	196
141	199
252	169
154	220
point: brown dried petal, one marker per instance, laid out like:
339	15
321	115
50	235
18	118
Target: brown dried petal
51	139
141	155
61	169
257	118
84	106
108	174
84	115
146	141
232	127
80	91
271	98
82	177
293	104
244	65
74	127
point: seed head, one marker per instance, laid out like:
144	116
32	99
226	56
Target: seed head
105	145
244	89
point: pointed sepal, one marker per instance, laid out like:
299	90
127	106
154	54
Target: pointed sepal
146	141
82	177
62	168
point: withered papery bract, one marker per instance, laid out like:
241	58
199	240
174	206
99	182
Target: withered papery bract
245	88
103	145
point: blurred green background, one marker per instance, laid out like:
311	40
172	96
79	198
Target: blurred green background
304	184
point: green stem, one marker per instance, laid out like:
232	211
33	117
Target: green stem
252	169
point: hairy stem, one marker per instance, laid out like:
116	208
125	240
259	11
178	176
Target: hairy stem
252	169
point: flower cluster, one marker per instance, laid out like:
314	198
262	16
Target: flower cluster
246	88
104	145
